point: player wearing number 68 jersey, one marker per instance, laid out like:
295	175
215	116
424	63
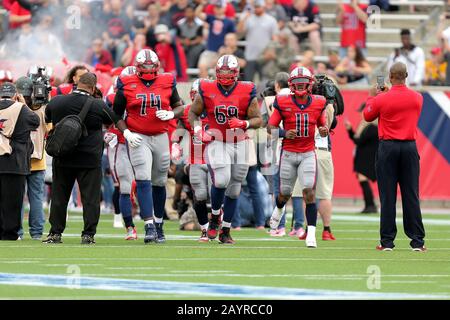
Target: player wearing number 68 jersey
300	112
150	100
231	108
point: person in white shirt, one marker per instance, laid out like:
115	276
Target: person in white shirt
412	56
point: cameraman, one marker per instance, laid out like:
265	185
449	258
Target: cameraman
16	123
35	180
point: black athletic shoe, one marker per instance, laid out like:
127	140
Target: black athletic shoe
87	239
150	233
53	238
370	209
225	236
160	233
214	225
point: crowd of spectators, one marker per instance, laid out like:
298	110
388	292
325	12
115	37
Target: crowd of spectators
268	36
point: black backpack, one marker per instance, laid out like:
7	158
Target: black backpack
64	137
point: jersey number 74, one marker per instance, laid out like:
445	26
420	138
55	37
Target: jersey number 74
149	100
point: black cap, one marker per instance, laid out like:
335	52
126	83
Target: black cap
24	86
7	90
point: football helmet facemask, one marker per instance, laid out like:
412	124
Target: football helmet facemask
147	64
227	70
301	81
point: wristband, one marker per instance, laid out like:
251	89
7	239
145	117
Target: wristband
281	133
247	124
197	129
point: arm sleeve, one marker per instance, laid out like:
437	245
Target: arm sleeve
120	101
275	118
372	109
175	97
108	116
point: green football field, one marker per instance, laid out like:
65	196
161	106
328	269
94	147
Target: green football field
256	267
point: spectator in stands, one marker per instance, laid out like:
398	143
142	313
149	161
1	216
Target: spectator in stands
412	56
134	47
230	46
307	61
176	12
352	18
306	24
383	4
217	26
435	68
332	63
277	56
151	21
444	38
190	34
259	28
230	12
18	16
278	12
366	142
354	68
118	30
170	53
99	57
43	38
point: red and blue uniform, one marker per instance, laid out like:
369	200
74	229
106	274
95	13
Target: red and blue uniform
197	147
109	102
221	105
300	117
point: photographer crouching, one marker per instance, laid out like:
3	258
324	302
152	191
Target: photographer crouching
35	89
16	123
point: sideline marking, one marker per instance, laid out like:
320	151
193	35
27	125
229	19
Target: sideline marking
200	289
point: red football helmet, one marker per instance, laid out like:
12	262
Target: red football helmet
194	89
147	64
301	81
227	70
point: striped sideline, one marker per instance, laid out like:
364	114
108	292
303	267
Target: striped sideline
197	289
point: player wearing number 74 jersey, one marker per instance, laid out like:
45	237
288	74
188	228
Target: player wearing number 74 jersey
150	100
300	112
231	108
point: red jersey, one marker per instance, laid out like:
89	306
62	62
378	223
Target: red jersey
353	30
64	89
143	101
197	147
109	100
221	105
300	117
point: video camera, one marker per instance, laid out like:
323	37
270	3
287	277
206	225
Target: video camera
269	90
324	86
41	84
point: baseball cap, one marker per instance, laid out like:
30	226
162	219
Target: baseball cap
24	86
436	51
7	90
161	28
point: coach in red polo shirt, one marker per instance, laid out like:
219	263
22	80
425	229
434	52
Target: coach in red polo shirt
397	162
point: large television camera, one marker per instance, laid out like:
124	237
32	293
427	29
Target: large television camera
41	84
324	86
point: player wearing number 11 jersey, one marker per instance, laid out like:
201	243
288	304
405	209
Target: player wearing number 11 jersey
300	112
150	100
231	108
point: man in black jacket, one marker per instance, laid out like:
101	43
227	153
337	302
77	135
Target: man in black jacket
16	123
84	163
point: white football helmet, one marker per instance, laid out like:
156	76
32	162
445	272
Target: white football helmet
194	89
301	81
227	70
147	64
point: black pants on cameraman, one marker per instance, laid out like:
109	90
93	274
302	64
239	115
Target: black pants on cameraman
12	189
397	163
89	181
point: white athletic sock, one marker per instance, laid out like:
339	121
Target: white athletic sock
158	220
205	226
148	221
226	224
215	212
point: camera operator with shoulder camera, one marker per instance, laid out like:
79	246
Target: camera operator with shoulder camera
35	89
16	123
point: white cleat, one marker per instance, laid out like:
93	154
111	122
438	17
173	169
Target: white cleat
276	218
311	243
118	223
310	240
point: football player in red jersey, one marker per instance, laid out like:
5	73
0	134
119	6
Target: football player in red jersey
300	112
72	78
150	100
231	108
198	170
121	169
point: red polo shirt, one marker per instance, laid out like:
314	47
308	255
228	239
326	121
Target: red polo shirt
398	112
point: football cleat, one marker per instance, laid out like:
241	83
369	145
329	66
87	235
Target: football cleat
327	235
118	222
310	241
276	217
303	235
150	233
131	234
214	225
53	238
381	248
225	236
160	232
204	236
